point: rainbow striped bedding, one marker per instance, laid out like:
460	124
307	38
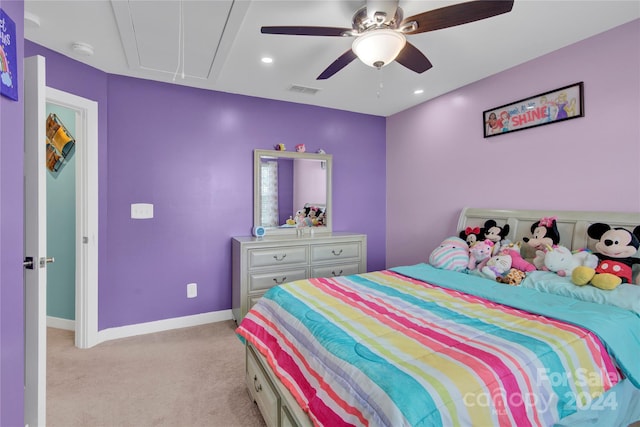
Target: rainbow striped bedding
385	349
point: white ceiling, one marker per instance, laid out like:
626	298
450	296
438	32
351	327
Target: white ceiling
223	45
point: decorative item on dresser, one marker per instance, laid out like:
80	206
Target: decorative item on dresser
260	264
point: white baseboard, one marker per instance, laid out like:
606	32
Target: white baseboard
163	325
60	323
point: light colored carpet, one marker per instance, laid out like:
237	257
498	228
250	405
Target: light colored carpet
185	377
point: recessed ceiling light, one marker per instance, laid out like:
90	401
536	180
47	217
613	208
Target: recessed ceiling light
83	49
418	91
267	60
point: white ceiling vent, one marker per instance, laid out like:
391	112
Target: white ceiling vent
303	89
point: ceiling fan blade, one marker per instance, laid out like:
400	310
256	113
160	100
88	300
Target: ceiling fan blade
337	65
457	14
413	59
307	31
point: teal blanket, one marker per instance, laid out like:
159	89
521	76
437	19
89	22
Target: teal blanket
618	329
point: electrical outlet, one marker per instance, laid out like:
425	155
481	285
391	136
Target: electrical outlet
192	290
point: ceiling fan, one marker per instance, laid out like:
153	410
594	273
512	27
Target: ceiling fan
380	31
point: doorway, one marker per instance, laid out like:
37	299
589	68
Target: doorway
61	223
85	118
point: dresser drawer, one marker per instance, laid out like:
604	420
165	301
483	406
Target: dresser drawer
335	270
262	391
277	256
261	281
335	251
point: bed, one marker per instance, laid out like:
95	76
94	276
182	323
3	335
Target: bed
420	346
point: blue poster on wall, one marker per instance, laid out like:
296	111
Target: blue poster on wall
8	62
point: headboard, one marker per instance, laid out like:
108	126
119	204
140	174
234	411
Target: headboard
572	225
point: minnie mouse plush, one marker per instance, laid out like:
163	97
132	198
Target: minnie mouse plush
544	233
471	235
615	249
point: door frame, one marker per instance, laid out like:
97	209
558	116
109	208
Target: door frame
86	150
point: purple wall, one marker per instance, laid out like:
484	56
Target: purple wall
190	153
438	161
11	240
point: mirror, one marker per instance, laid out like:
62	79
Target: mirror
291	190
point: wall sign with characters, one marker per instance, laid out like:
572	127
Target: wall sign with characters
8	62
550	107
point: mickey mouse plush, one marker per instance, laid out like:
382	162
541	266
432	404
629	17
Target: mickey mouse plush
492	231
615	249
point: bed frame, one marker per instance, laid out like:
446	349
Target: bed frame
278	406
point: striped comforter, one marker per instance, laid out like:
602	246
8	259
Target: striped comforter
382	348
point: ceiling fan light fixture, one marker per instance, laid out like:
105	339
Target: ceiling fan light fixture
378	48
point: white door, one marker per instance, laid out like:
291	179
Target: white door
35	242
35	279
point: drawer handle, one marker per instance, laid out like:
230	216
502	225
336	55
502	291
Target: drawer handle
334	273
279	258
281	281
257	387
338	253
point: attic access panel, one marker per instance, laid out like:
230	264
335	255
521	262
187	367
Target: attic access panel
151	34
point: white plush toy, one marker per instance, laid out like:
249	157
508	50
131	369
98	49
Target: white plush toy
498	265
561	261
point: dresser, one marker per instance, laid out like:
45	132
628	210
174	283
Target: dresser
259	264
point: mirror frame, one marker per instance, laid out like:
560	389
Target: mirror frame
257	155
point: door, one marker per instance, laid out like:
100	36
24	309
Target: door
36	95
35	242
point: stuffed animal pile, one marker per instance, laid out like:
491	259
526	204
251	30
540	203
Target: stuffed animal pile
486	251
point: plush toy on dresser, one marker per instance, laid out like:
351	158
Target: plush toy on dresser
615	249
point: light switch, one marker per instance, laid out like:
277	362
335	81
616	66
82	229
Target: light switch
192	290
141	210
